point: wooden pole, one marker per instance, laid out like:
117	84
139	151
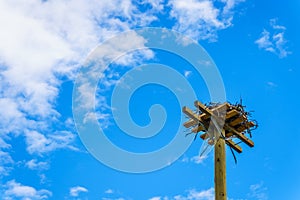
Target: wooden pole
234	126
220	170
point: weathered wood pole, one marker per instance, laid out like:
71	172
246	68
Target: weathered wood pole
220	170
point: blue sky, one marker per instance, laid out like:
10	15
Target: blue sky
45	44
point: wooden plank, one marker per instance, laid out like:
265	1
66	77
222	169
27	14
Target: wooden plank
228	134
194	117
251	124
239	135
232	113
199	128
204	116
203	108
206	110
190	114
241	128
234	146
238	120
192	122
204	136
245	127
220	107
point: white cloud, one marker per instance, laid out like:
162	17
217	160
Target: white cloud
187	73
15	190
274	40
273	23
119	198
115	47
111	194
109	191
201	20
5	157
75	191
230	4
264	42
157	5
42	41
258	191
43	178
185	159
35	165
38	143
271	84
198	159
155	198
13	120
202	195
191	195
6	163
3	144
107	52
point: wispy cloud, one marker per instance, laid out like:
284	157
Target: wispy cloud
111	194
201	20
155	198
34	164
75	191
271	84
199	195
198	159
195	159
14	190
109	191
190	195
110	50
187	73
119	198
258	191
157	5
6	163
43	42
273	40
38	143
50	39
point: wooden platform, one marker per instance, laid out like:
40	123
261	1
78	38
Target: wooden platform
233	120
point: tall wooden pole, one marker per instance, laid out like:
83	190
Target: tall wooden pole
235	120
220	170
